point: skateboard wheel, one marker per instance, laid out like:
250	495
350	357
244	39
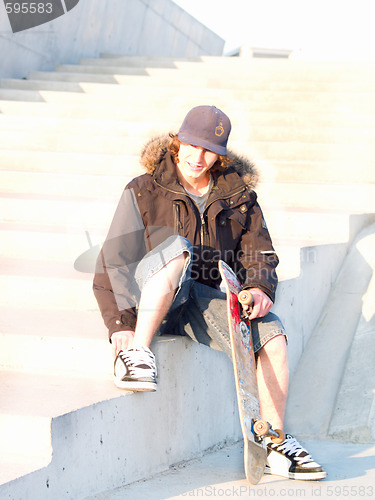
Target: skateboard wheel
245	297
261	427
280	439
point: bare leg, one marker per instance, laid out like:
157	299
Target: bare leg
157	297
273	378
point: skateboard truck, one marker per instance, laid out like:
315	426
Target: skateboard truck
264	429
245	298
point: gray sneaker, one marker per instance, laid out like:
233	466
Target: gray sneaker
135	370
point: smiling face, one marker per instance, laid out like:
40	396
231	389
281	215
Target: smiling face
194	163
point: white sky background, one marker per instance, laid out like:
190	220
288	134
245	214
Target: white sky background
342	29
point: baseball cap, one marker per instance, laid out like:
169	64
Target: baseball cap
208	127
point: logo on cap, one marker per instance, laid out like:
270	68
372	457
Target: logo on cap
219	130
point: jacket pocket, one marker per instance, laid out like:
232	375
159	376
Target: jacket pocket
233	217
231	225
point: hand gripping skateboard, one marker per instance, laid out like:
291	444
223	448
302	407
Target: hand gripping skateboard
253	428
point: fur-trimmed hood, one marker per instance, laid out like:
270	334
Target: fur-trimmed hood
156	148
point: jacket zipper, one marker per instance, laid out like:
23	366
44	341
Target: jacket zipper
204	231
177	217
204	228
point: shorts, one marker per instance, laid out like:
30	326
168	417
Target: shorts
198	310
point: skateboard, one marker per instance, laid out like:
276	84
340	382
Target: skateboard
254	429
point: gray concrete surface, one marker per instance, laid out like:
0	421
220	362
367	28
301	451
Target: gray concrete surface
324	384
74	424
350	469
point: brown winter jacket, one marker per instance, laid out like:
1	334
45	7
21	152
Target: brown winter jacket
155	206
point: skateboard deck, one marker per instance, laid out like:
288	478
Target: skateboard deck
243	358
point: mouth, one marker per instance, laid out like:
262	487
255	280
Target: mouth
195	167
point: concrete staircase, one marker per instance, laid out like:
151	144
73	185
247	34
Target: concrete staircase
69	143
332	391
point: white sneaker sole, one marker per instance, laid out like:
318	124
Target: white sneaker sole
307	476
135	386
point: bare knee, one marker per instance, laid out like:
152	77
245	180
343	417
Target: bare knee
176	266
275	350
168	277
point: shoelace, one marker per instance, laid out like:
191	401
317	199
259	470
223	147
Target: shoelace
138	361
292	447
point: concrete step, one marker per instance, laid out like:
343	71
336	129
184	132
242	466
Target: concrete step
39	250
54	80
58	215
251	81
131	80
55	284
358	153
47	294
332	171
101	84
356	198
77	324
307	225
126	166
292	69
254	132
68	163
29	404
298	152
42	289
94	214
85	143
62	314
122	141
63	185
66	256
313	395
353	416
177	108
47	247
296	70
33	250
91	419
62	125
146	99
363	101
27	118
42	353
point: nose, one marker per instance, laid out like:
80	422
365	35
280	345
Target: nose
198	154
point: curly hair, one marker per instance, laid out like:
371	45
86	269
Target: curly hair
221	164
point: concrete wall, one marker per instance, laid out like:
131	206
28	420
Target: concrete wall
332	391
130	437
144	27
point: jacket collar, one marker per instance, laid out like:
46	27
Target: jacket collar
226	184
156	152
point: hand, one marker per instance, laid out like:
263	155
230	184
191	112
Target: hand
121	341
262	304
